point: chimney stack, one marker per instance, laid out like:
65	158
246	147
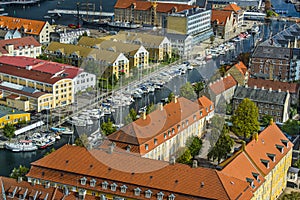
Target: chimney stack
279	90
255	87
144	116
195	164
172	160
174	99
161	106
111	148
262	88
270	89
20	179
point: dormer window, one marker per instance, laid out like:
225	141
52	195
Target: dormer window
178	127
171	197
251	181
265	162
104	185
210	107
155	141
113	187
256	176
160	196
123	188
93	183
148	194
83	181
201	113
271	156
182	124
285	143
169	133
280	148
165	136
187	122
137	192
173	130
194	117
146	146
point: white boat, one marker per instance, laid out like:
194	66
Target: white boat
22	145
67	131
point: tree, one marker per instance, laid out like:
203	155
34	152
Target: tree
170	97
198	87
217	122
19	172
222	147
244	57
297	164
150	108
265	121
82	141
108	127
245	119
212	39
291	127
291	196
187	91
132	116
194	145
9	130
185	158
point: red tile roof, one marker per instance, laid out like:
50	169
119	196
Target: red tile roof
222	84
18	42
41	66
269	141
69	164
232	7
32	27
221	16
241	67
275	85
158	123
146	5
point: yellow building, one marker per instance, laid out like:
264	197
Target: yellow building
12	116
44	84
137	55
263	163
108	62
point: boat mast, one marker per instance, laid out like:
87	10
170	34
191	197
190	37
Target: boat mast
100	11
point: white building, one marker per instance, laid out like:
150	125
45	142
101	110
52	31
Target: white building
181	44
68	36
83	81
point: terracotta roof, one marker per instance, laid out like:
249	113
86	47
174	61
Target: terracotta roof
222	84
238	72
18	42
232	7
32	27
162	121
146	5
42	66
275	85
269	142
241	66
221	16
248	170
69	164
13	96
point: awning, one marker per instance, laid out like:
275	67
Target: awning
29	127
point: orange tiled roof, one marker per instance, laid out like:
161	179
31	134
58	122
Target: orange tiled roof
147	5
232	7
241	67
221	16
275	85
32	27
222	85
18	42
268	143
69	164
160	122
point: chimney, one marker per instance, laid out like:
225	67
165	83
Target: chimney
255	87
270	89
195	164
161	106
111	148
20	179
172	160
246	85
262	88
144	116
279	90
243	145
174	99
255	136
202	184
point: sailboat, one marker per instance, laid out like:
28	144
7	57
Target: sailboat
91	21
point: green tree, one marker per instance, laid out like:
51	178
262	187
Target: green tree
82	141
185	158
132	116
244	57
198	87
49	152
194	145
19	172
297	164
9	130
222	147
245	119
291	127
170	97
217	122
150	108
108	127
265	121
212	39
187	91
291	196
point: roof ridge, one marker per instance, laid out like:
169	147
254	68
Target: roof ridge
219	178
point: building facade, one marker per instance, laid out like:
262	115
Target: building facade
69	36
223	23
40	30
164	137
269	102
12	116
9	34
26	46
